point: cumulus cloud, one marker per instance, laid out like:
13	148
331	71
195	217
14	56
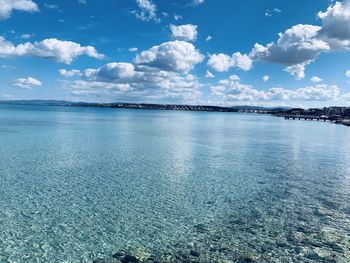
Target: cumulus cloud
316	79
295	48
222	62
58	50
347	73
233	90
184	32
8	6
111	72
301	44
148	11
243	62
158	73
177	56
26	83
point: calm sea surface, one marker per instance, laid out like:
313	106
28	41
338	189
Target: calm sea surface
82	184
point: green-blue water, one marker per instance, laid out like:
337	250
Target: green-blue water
78	184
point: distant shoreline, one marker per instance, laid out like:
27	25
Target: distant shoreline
338	115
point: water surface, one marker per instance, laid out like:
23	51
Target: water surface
79	184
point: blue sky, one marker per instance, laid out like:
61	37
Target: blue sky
226	52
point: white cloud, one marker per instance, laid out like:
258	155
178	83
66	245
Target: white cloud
347	73
243	62
8	6
184	32
50	6
69	73
209	74
26	36
26	83
133	49
302	44
58	50
271	12
111	72
177	56
218	90
7	97
316	79
297	70
336	21
266	78
197	2
148	11
234	78
160	73
177	17
222	62
208	38
234	90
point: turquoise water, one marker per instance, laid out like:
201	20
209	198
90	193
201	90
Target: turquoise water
82	184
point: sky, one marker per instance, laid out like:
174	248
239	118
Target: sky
227	52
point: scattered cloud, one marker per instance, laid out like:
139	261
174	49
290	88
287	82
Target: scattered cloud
184	32
209	74
157	73
26	83
316	79
234	90
177	56
69	73
208	38
58	50
234	78
50	6
8	6
222	62
7	97
26	36
133	49
347	73
148	11
266	78
301	45
271	12
177	17
197	2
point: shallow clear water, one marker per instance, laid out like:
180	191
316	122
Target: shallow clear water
79	184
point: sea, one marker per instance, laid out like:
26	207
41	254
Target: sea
84	184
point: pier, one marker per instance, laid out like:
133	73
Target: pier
335	119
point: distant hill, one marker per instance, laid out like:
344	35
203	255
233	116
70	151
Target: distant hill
259	108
